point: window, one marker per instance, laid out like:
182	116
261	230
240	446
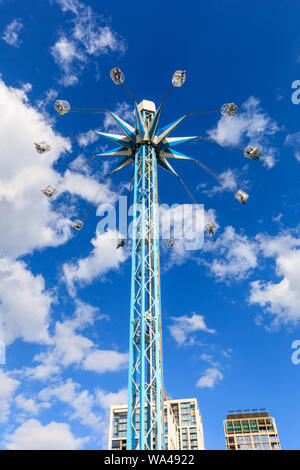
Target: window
253	425
229	426
245	426
245	447
115	444
237	426
243	439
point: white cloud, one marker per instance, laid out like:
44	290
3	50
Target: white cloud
251	123
208	358
25	304
103	257
183	326
67	347
70	347
87	188
89	409
66	56
30	221
32	435
280	298
232	180
81	402
86	39
48	98
210	378
105	361
294	141
12	31
29	405
8	386
235	256
108	399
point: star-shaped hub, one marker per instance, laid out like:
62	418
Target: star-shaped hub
146	132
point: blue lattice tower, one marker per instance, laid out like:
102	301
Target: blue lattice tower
145	358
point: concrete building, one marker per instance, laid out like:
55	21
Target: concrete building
183	427
251	430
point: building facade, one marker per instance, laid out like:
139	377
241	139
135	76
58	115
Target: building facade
251	430
183	428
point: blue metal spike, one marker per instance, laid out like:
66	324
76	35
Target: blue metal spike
165	131
119	139
162	161
171	141
171	153
139	121
123	164
127	128
116	152
155	121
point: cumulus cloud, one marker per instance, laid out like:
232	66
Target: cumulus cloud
30	221
183	326
90	409
29	405
251	124
66	56
103	257
32	435
81	402
89	37
210	378
25	304
69	347
105	361
87	188
8	386
280	298
234	255
108	399
231	180
12	31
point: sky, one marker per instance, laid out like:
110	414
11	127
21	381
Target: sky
231	310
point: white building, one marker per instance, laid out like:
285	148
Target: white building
183	427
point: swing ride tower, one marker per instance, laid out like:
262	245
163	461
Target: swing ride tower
147	147
145	377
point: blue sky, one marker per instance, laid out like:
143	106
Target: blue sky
230	311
